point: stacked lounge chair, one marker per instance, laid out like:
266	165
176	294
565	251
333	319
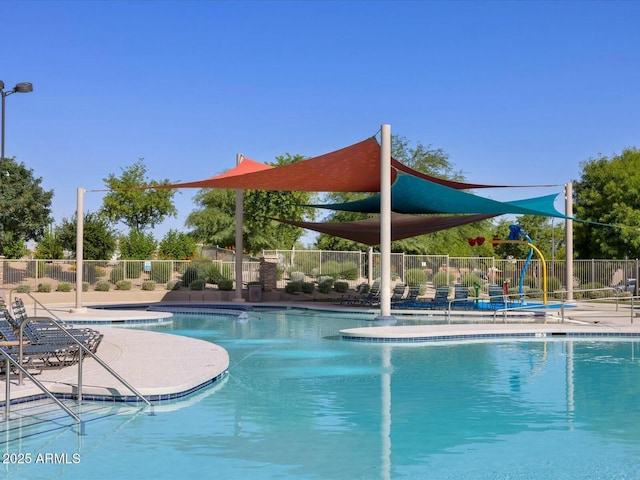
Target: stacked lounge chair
42	330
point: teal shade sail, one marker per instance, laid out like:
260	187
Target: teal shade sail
413	195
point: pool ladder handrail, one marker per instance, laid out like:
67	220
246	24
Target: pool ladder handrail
55	320
23	371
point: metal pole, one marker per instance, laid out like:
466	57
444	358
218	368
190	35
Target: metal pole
239	240
3	97
385	222
568	198
79	246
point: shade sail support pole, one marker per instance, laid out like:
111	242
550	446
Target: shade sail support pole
568	231
385	223
239	240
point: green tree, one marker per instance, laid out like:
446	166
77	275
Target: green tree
138	208
98	240
25	207
177	246
214	222
608	192
138	246
49	247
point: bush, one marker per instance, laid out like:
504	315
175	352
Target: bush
332	269
102	286
442	279
134	268
149	285
470	279
297	276
325	285
349	270
44	287
85	286
293	287
197	284
117	274
341	287
308	287
225	284
160	271
123	285
173	285
64	287
416	276
189	275
23	288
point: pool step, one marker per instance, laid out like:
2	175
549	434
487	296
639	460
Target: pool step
45	416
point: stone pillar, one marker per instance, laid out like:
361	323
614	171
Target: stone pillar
269	273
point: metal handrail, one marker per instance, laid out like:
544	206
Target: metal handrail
58	323
23	371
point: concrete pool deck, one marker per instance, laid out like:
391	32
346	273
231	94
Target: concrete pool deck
164	366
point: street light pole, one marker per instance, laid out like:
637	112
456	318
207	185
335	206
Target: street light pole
22	87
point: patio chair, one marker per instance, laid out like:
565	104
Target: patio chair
35	356
461	297
496	297
398	294
41	330
411	299
373	297
440	299
361	293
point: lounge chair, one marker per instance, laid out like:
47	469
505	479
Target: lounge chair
373	297
398	294
36	356
440	299
40	330
496	297
361	293
411	300
461	297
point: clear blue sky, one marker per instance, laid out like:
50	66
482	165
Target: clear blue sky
514	92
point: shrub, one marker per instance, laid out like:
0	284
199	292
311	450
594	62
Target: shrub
99	271
117	274
297	276
123	285
341	287
225	284
134	268
64	287
197	284
160	271
23	288
470	279
308	287
102	286
349	270
173	285
149	285
85	286
189	275
325	285
211	273
416	276
293	287
44	287
442	279
332	269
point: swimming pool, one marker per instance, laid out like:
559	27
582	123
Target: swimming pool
301	404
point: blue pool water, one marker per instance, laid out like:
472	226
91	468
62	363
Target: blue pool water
299	403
